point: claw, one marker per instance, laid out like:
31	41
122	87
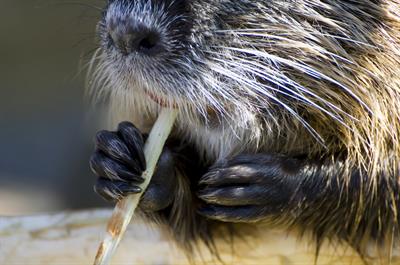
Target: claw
115	190
134	140
236	195
234	214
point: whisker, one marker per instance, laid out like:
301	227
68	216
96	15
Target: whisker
299	96
256	87
292	31
303	68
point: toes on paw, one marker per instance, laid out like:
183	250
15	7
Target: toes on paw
233	214
134	140
114	190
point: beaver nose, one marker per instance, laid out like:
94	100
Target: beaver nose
135	38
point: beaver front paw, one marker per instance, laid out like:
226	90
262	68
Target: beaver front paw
248	188
119	162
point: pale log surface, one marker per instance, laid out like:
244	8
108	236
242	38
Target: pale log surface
72	238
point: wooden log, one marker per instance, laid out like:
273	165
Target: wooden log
72	238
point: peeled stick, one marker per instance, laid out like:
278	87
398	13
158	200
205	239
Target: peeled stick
125	208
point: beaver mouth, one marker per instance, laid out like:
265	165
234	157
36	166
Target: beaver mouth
161	101
164	103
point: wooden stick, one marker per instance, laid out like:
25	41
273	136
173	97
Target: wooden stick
125	209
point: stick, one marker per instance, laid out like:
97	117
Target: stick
125	208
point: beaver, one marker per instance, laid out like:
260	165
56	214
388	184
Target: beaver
289	115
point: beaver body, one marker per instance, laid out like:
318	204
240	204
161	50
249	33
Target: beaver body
289	114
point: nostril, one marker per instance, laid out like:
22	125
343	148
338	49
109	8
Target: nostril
142	41
149	42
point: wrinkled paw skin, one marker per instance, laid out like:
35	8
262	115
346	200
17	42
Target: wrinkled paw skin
248	188
119	161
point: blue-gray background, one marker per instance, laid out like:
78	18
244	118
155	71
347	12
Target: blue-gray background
46	128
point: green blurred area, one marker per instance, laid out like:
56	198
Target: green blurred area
46	129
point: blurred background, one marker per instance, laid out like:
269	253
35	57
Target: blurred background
46	128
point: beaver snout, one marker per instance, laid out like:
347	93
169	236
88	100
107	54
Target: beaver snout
131	36
148	28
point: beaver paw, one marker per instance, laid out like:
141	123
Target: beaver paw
248	188
119	163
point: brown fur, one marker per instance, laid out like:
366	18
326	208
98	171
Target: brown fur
344	57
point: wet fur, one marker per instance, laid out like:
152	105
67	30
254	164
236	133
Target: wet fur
310	80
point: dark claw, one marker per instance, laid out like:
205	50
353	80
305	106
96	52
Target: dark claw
115	190
113	146
234	214
242	169
236	195
104	166
134	140
239	174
